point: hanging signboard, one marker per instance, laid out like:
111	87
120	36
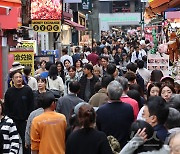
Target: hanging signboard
158	62
51	52
46	25
72	1
87	4
46	15
29	44
24	56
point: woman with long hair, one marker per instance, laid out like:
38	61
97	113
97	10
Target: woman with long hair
87	139
55	82
60	69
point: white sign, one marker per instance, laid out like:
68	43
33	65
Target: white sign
72	1
158	62
144	0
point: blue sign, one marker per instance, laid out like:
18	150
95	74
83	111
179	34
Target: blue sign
51	52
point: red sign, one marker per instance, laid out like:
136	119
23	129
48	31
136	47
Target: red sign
46	9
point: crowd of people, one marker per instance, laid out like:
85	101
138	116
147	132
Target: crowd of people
100	100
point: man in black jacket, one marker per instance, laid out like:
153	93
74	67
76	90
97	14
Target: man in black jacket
87	83
19	104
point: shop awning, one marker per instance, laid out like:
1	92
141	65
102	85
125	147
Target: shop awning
159	6
12	20
74	24
156	3
10	3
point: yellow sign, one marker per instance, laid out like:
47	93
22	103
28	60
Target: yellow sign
25	57
29	44
46	25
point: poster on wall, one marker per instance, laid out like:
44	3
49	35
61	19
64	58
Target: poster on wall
24	56
158	62
46	15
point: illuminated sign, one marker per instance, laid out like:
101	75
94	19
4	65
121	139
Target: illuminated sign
46	9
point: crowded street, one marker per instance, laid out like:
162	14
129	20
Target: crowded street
89	77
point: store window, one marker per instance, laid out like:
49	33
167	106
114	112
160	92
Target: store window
120	6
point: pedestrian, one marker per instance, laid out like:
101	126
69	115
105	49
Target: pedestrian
32	115
166	91
66	103
145	140
46	72
87	140
101	96
174	143
9	137
19	104
115	117
66	56
48	129
31	81
156	113
55	82
15	66
70	77
60	69
79	68
87	82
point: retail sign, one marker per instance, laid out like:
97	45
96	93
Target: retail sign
87	4
46	9
24	56
46	25
158	62
51	52
72	1
29	44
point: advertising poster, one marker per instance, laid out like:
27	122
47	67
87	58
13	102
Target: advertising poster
46	15
25	57
158	62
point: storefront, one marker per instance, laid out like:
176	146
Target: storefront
9	20
106	20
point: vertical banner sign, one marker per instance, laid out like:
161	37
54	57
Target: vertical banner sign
87	4
46	15
24	56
